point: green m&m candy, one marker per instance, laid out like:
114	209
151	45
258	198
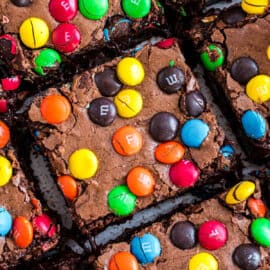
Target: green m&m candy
93	9
121	201
212	57
136	8
47	58
260	231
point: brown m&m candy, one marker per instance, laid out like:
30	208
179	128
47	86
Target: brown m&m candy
163	126
171	79
102	111
195	103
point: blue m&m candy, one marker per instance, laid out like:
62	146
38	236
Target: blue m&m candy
227	151
145	248
5	222
194	132
254	124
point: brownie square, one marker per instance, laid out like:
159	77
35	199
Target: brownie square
27	228
239	81
204	163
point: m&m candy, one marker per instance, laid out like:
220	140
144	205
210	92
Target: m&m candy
212	235
166	43
6	171
195	103
136	8
55	109
63	10
121	201
4	134
3	106
127	141
66	37
122	261
8	45
254	6
212	57
68	186
194	132
260	231
203	260
141	181
128	102
240	192
254	124
44	225
184	173
46	59
94	9
145	248
258	88
83	164
5	222
34	32
11	83
169	152
130	71
22	232
22	3
256	207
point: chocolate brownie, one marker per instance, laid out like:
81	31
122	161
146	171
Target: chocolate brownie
26	228
233	49
111	135
206	236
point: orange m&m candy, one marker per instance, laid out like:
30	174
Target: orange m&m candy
22	232
55	109
140	181
169	152
4	134
256	207
123	261
68	186
127	141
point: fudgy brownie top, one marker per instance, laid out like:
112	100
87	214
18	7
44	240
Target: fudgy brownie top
203	162
186	240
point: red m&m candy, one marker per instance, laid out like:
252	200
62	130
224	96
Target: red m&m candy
3	106
184	173
12	83
44	225
63	10
165	43
66	37
212	235
12	41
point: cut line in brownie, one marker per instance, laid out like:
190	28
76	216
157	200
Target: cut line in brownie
233	48
79	141
27	229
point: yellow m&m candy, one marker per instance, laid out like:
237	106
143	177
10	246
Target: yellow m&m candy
268	52
128	102
130	71
254	6
258	88
240	192
203	261
83	164
34	32
5	171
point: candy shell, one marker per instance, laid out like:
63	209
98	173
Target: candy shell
166	43
212	63
256	207
63	10
203	261
212	235
55	109
136	8
7	41
44	225
83	164
184	173
145	248
5	222
169	152
11	84
68	186
94	9
121	201
141	181
34	32
3	106
22	232
5	171
4	134
122	261
260	231
256	7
